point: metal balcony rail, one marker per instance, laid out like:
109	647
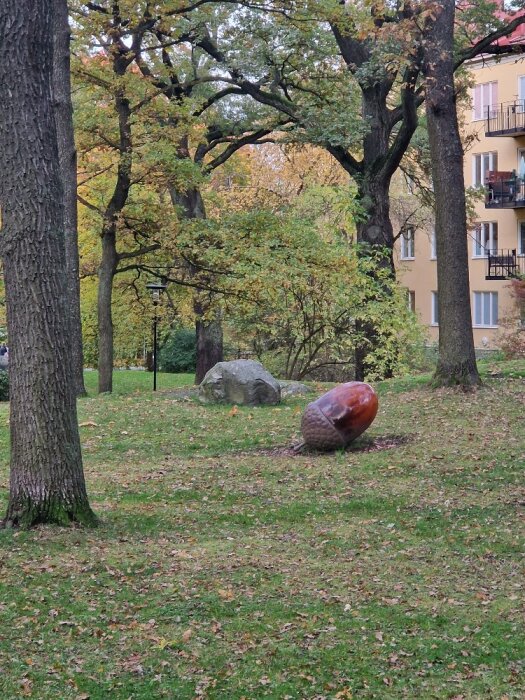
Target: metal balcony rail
504	190
505	118
504	264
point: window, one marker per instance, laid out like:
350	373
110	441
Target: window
482	163
521	93
433	244
485	239
521	237
407	244
411	298
434	313
485	97
485	308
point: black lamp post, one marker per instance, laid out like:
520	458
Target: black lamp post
156	289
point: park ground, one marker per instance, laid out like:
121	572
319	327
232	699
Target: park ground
228	567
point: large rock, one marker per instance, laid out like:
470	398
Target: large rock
243	382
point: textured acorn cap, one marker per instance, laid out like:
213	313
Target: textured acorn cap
317	430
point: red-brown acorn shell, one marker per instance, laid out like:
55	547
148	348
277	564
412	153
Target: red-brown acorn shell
339	416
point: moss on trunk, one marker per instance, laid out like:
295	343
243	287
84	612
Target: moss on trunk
461	374
26	513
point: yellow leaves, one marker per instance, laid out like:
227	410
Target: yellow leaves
169	643
226	594
187	635
344	694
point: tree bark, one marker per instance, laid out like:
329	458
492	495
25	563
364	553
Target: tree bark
457	359
209	336
106	275
46	480
68	168
110	257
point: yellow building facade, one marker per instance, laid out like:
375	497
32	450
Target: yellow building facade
494	162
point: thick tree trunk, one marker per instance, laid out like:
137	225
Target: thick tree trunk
374	233
375	229
46	481
209	342
106	274
457	360
68	168
209	336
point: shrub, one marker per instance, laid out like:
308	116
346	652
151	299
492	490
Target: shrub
4	385
179	352
512	329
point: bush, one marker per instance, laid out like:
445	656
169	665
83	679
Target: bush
4	385
179	352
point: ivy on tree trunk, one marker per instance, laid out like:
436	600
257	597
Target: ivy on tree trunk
208	332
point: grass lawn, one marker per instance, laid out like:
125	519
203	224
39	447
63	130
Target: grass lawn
226	567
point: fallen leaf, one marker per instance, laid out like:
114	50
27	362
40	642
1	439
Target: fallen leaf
225	594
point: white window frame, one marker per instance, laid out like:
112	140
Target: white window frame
434	314
485	310
488	98
521	238
485	231
521	94
411	300
408	247
433	254
488	161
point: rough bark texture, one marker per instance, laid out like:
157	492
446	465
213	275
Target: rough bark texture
106	274
68	167
457	360
46	481
210	348
384	144
110	258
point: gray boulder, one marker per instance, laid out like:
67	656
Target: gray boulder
290	388
243	382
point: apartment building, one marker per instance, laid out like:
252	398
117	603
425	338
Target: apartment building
494	136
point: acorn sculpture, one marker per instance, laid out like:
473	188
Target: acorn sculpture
339	416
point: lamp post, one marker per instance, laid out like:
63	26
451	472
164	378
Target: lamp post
156	289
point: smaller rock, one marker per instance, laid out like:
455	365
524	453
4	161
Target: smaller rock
289	388
242	382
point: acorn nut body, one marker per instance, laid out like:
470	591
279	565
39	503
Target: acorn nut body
339	416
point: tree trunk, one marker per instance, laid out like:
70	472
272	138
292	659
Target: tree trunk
106	274
68	168
209	336
374	233
457	360
46	481
375	230
209	342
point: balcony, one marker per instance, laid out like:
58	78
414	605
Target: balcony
504	190
504	265
507	119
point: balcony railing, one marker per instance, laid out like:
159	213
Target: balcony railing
507	119
504	190
504	264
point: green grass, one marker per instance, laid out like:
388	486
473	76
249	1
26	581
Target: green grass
225	568
128	382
